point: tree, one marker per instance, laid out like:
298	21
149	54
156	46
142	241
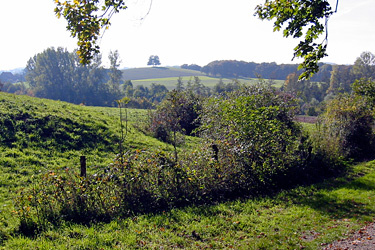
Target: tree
180	84
366	89
341	79
177	113
57	74
50	74
153	60
115	74
364	65
294	16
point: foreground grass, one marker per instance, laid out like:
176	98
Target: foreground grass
301	218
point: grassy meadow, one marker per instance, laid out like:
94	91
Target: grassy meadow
52	135
169	77
157	72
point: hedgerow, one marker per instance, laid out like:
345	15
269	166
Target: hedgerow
252	146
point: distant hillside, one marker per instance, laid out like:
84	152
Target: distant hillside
169	76
157	72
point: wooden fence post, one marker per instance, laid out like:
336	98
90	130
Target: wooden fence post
83	166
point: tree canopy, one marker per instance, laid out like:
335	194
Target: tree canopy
153	60
57	74
299	18
86	19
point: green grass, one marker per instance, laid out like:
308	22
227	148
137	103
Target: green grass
304	217
168	77
171	82
26	151
158	72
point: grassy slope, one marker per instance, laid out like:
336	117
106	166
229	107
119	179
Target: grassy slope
171	82
169	76
37	135
302	217
157	72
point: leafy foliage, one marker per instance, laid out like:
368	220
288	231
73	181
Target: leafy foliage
365	88
254	125
178	112
86	19
296	15
346	129
57	74
153	60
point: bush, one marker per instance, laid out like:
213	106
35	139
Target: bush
178	112
346	128
136	182
255	127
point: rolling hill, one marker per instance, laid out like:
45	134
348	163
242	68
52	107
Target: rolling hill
157	72
168	76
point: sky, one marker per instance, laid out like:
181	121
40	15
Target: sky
182	32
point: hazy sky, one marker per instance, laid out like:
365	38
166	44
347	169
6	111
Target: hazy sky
182	31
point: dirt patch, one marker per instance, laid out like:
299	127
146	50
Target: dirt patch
363	239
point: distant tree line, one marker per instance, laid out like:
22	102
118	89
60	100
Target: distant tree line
191	66
144	97
13	82
335	80
238	69
57	74
9	77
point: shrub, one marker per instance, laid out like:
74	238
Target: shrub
178	112
255	127
346	128
136	182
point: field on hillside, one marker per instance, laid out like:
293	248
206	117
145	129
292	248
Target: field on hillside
157	72
171	82
52	135
169	76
